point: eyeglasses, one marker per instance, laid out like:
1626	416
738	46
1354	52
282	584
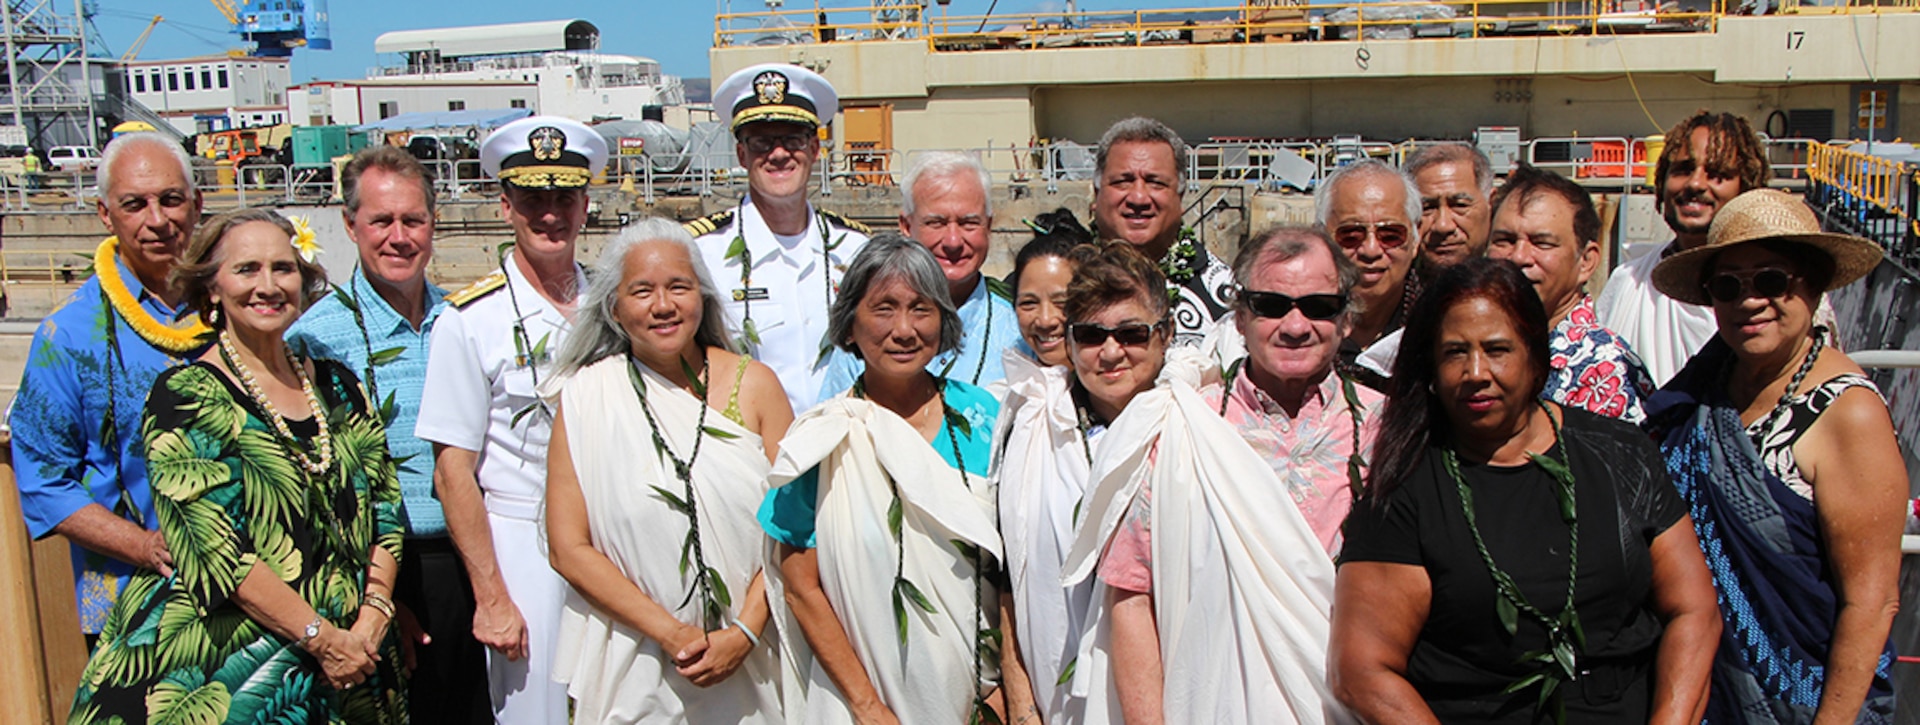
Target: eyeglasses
1732	287
1274	305
1087	334
793	142
1389	234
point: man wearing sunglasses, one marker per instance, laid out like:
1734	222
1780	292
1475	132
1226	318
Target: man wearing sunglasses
1293	307
1454	181
1546	224
1371	210
1140	176
947	208
1709	159
776	259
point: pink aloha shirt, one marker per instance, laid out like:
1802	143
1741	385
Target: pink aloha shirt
1308	453
1594	370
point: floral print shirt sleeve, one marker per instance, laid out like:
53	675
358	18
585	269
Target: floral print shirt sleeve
1594	369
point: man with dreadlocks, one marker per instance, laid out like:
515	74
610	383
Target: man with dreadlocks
1709	159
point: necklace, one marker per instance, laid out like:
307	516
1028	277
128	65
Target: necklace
1799	376
738	251
1181	263
986	640
173	338
322	443
349	297
1355	461
1565	640
986	334
527	353
715	600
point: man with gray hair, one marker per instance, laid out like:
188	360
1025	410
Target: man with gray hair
1371	209
76	420
1140	173
1455	181
947	207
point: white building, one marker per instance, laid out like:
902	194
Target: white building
211	93
357	102
559	58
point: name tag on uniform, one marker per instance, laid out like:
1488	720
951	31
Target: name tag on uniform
750	294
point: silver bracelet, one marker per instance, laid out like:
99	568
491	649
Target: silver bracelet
751	637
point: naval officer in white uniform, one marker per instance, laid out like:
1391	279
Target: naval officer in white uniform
488	426
777	259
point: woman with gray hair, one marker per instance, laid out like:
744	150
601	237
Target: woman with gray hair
661	433
883	516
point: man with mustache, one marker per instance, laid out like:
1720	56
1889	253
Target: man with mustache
946	206
1370	209
482	410
1709	159
777	259
1546	224
1454	180
1140	174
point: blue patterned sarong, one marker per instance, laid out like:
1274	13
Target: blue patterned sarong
1762	541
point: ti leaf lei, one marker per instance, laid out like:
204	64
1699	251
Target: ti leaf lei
1558	661
986	640
715	601
350	299
739	252
1355	461
526	352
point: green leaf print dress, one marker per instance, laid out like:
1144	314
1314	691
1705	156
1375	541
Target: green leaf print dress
229	497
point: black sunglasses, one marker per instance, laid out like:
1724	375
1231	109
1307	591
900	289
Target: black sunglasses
793	142
1389	234
1732	287
1087	334
1275	305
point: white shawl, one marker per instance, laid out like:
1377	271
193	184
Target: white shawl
614	673
1242	589
1042	474
857	445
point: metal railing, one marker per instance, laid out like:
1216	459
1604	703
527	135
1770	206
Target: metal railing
1868	195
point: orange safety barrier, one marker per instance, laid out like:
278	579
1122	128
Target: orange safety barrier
1609	161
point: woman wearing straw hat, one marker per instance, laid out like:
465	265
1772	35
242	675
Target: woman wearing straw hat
1786	455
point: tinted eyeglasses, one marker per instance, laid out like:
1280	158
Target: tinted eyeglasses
1087	334
1733	287
1389	234
1275	305
793	142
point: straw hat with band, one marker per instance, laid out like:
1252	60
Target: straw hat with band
1760	215
777	92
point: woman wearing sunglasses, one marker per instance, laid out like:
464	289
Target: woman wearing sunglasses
1512	560
1786	453
1041	472
883	516
1234	629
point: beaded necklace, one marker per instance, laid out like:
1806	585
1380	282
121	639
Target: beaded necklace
738	251
1558	660
986	640
715	600
322	443
1354	460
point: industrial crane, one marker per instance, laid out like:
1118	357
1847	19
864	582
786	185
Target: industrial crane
133	51
273	28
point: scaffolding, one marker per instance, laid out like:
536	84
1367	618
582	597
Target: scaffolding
49	81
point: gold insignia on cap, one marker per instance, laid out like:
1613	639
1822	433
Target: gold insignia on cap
771	87
547	143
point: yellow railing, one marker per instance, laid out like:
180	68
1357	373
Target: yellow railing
1250	22
1875	180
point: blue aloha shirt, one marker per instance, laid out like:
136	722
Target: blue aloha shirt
1594	369
987	327
65	456
330	331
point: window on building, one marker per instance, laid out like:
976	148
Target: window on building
517	103
155	82
173	81
139	83
389	109
223	78
189	77
456	105
206	78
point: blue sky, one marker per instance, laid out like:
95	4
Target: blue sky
675	32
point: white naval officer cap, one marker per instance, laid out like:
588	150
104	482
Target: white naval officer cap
777	92
544	152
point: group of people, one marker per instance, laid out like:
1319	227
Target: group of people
770	466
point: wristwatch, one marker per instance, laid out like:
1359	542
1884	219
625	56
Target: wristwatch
312	630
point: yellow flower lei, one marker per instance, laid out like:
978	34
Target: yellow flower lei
175	339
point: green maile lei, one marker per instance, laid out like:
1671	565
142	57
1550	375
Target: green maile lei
1558	661
350	299
527	353
1355	461
737	251
905	592
715	601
